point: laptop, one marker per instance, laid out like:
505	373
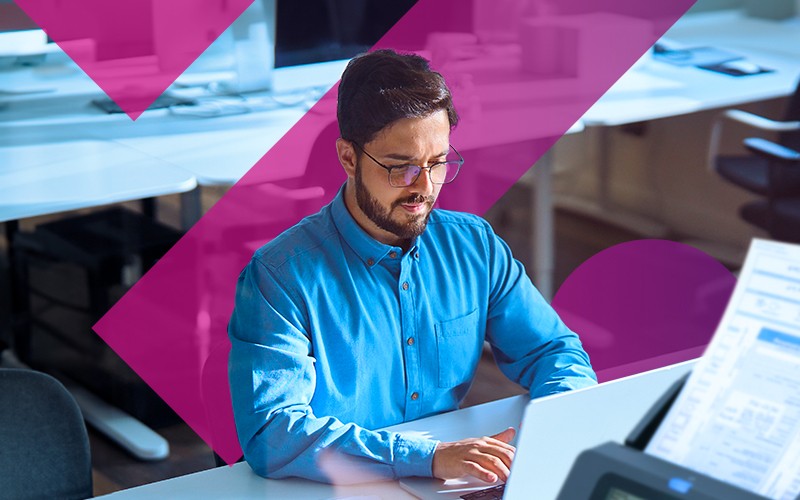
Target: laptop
554	431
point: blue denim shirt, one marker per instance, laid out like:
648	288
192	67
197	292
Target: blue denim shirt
335	334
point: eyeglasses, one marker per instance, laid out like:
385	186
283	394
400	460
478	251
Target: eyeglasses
441	172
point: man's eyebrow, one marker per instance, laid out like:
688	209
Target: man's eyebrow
402	157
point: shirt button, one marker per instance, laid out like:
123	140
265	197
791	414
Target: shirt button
410	341
393	254
416	255
370	261
405	286
414	396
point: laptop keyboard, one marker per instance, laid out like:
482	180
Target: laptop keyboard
493	493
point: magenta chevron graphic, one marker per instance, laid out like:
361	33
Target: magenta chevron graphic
134	49
516	95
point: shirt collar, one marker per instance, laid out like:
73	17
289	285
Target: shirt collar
370	250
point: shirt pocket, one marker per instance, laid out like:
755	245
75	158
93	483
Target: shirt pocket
458	349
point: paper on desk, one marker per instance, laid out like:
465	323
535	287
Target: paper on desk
738	417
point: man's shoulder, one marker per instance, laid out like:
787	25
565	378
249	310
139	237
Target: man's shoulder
449	220
300	241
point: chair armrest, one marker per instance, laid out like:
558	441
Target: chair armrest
760	122
749	119
771	150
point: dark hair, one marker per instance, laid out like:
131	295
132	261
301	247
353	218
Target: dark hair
381	87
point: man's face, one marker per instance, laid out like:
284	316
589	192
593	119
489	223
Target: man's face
400	214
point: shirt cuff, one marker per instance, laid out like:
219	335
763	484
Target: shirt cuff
413	456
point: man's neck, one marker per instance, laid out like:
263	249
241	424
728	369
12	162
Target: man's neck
364	222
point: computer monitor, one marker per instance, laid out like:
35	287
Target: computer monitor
316	31
274	34
20	37
12	18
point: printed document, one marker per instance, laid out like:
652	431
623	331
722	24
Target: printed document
738	417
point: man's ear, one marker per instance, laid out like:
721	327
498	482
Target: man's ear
347	156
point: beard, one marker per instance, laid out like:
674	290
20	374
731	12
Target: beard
410	226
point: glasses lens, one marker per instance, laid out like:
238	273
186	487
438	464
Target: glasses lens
404	176
445	172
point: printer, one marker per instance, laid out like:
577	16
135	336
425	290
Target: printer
613	471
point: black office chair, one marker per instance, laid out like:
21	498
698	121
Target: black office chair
45	447
773	171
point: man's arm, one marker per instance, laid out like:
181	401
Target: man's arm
273	378
531	344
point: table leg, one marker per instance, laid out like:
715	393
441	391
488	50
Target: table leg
543	233
191	208
20	321
150	208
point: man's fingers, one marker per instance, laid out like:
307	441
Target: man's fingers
505	436
494	464
476	470
490	441
504	454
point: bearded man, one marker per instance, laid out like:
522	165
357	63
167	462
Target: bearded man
375	310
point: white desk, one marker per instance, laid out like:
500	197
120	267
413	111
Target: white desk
557	428
652	90
69	171
195	151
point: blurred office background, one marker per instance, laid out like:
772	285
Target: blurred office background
657	171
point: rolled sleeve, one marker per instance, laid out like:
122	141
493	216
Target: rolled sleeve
414	456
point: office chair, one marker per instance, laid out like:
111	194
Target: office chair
45	448
773	171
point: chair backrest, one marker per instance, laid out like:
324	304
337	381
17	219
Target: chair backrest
44	446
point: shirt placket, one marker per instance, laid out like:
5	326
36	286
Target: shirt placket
408	321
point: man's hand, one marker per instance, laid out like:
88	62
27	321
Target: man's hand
487	458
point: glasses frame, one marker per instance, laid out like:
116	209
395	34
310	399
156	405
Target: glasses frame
389	169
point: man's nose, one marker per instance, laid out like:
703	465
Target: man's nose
423	184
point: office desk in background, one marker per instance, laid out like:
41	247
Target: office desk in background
215	151
653	90
205	151
557	428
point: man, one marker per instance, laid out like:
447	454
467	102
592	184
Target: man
374	311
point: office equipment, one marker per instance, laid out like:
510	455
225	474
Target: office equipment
694	56
552	431
165	100
738	418
242	57
739	67
21	41
772	172
45	444
616	471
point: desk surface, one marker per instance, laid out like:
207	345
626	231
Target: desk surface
59	153
72	171
556	429
231	144
653	89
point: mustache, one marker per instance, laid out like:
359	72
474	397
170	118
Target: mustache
413	199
